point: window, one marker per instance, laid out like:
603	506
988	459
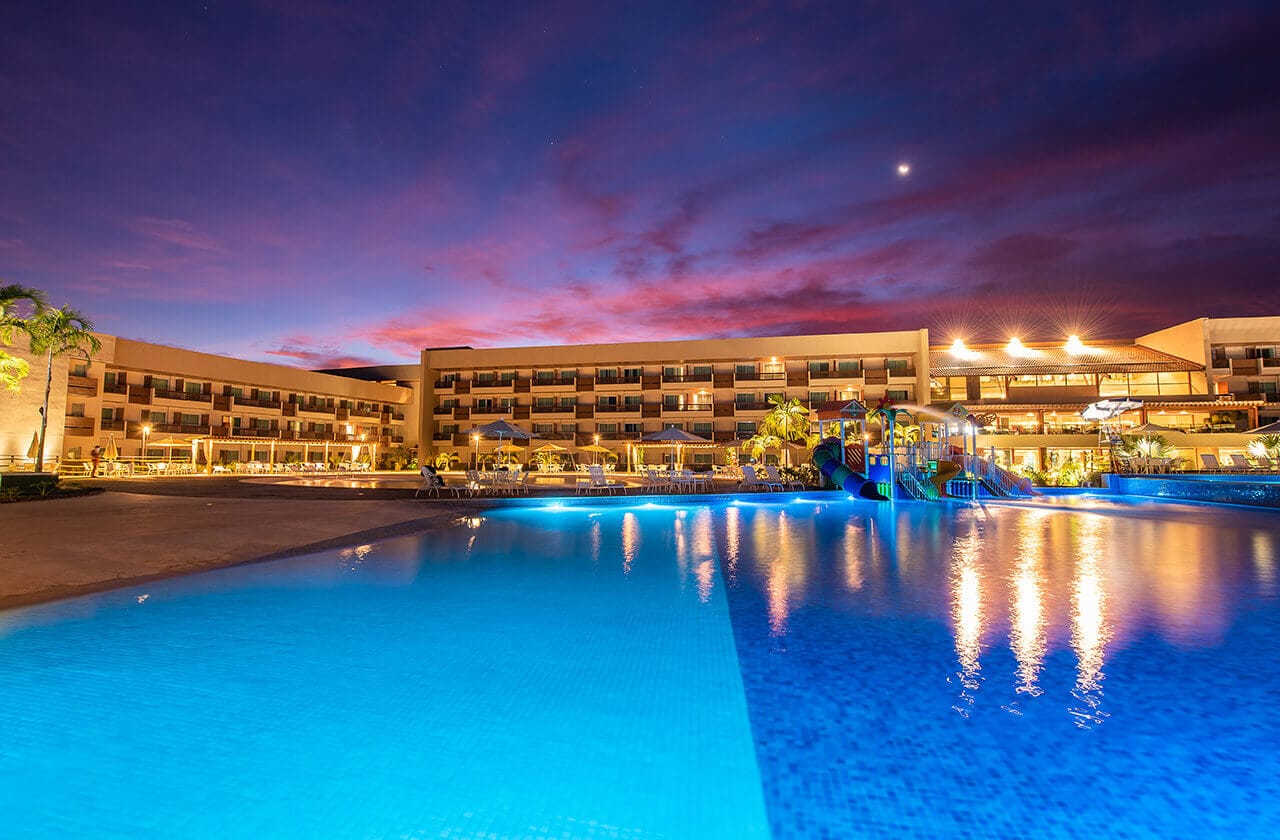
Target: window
819	397
990	387
1262	387
703	458
607	401
633	399
568	428
508	403
449	428
606	373
544	375
633	372
849	367
507	376
80	369
194	420
744	398
109	378
544	402
156	416
483	404
159	384
194	388
819	367
671	399
633	428
568	402
896	394
607	428
486	376
673	426
108	414
896	364
702	370
672	372
450	378
451	402
258	422
744	370
544	428
75	410
704	429
237	392
746	428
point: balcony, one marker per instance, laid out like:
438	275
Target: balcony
493	383
751	406
442	436
82	386
443	384
252	402
555	409
315	408
687	377
177	429
759	376
561	382
365	412
666	407
836	374
111	425
443	409
902	373
486	410
620	435
617	380
183	396
554	435
619	408
79	425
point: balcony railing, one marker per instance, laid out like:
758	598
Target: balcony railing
443	409
111	425
760	376
617	380
688	377
620	408
555	409
687	407
836	374
115	388
253	402
751	406
493	383
562	381
183	395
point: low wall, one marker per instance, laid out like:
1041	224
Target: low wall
1231	490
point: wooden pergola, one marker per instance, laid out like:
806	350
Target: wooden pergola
271	444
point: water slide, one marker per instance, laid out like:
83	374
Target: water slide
947	470
828	457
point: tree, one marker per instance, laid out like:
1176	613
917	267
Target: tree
12	369
762	441
787	421
54	333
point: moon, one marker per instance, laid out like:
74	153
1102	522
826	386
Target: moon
904	169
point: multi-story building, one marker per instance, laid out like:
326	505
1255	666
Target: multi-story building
153	400
614	394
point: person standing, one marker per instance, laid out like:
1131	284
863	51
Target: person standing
95	457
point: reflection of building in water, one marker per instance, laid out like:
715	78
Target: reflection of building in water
1264	562
787	570
1026	611
704	553
1089	629
630	540
966	612
732	539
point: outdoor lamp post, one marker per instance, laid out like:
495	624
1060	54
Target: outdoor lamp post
476	440
146	430
594	455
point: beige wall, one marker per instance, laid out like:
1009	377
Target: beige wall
20	412
1188	341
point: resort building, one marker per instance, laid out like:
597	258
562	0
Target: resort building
612	395
165	402
1202	385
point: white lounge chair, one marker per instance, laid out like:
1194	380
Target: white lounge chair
751	481
434	484
597	482
771	472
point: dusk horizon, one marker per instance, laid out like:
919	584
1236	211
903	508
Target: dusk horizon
310	185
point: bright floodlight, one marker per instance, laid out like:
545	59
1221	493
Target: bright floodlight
1075	346
958	348
1016	347
904	169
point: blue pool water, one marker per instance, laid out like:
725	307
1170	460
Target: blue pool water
807	668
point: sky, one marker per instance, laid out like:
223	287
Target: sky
326	183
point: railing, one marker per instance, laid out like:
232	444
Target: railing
617	380
687	407
116	388
688	377
998	480
856	373
914	482
554	409
751	406
759	377
183	395
253	402
493	383
112	425
551	382
620	408
443	409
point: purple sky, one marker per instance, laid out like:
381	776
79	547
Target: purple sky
303	182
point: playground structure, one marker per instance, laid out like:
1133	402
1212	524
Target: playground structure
923	454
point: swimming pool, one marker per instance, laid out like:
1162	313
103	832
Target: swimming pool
802	668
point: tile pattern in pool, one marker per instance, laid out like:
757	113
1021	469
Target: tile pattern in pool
1010	672
522	676
806	668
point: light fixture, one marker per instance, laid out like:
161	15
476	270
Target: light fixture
1015	347
904	169
1075	346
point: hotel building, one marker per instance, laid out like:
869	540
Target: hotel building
1204	383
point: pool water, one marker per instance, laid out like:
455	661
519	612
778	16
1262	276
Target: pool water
802	668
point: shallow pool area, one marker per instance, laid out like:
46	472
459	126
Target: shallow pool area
803	666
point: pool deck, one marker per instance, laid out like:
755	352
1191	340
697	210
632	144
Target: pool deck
149	528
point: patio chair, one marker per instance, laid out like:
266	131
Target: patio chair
655	480
597	481
434	484
1264	463
1210	463
771	472
751	481
1241	463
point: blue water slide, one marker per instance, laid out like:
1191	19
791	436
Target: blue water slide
828	457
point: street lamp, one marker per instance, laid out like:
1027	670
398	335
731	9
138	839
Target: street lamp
594	454
146	430
476	440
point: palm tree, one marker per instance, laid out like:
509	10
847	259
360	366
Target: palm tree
13	369
1265	445
760	442
54	333
787	421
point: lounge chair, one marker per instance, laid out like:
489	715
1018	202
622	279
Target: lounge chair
1210	463
434	484
1241	463
750	481
1264	463
774	478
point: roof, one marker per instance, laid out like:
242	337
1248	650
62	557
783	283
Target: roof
998	361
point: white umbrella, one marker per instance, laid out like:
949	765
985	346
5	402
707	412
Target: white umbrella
1107	409
673	437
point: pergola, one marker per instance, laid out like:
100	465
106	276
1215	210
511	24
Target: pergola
271	444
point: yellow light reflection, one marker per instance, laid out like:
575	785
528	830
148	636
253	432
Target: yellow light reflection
630	540
704	554
733	539
854	578
1089	628
1264	562
966	614
1026	613
786	574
